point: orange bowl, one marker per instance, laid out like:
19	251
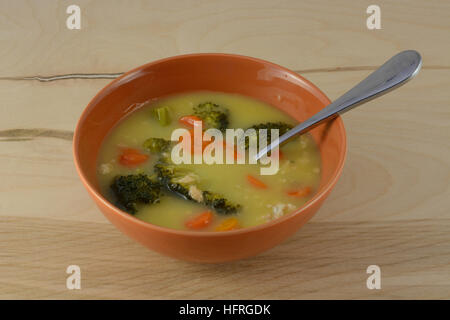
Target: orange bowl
262	80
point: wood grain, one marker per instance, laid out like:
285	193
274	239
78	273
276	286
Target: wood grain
118	35
325	259
390	207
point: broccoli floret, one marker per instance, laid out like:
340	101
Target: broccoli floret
281	126
185	184
136	188
168	175
213	115
157	145
219	203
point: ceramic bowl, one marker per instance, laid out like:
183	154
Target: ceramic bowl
262	80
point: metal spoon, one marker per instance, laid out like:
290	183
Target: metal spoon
392	74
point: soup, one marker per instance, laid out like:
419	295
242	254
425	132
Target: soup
136	171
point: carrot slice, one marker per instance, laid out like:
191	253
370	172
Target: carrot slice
200	221
256	182
302	192
228	224
132	157
190	121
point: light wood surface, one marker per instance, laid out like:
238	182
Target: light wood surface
390	208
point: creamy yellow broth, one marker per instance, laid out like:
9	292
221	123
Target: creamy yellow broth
299	167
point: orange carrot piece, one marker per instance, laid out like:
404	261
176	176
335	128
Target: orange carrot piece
190	121
132	157
228	224
256	182
302	192
201	221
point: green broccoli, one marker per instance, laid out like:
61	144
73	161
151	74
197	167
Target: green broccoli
162	114
281	126
136	188
213	115
185	184
219	203
157	145
169	176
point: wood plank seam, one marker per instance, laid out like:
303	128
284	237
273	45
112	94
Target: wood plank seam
114	75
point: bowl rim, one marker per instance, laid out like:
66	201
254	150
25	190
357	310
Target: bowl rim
193	233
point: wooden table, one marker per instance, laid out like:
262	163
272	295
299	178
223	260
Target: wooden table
390	207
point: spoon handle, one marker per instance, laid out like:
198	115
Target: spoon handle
392	74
